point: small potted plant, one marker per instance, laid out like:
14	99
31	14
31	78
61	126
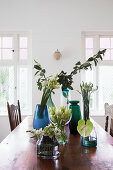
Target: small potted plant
60	117
47	144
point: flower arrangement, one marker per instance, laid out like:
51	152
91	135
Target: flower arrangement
86	89
60	116
50	130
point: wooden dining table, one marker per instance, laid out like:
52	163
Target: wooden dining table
18	152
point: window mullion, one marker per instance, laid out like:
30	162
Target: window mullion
96	73
15	58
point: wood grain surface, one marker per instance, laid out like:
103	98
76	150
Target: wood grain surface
18	152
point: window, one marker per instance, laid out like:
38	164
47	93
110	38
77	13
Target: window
15	71
102	75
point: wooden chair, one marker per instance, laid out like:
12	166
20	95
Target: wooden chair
14	114
109	118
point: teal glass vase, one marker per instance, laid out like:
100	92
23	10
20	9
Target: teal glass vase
76	116
91	140
65	97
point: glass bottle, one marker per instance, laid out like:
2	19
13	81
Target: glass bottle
76	116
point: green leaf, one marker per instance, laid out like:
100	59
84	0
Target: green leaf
36	73
85	129
37	67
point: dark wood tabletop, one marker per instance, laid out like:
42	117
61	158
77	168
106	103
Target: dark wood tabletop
18	152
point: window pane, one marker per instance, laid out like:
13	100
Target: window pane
107	55
23	86
0	54
23	54
111	42
23	42
6	87
89	42
0	42
104	42
7	54
89	78
89	53
105	86
111	54
7	42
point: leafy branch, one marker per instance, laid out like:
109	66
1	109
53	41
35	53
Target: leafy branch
66	80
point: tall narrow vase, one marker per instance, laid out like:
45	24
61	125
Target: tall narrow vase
76	116
91	140
41	118
65	97
86	108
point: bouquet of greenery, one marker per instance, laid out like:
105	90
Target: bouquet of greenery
50	130
66	80
60	116
48	84
86	89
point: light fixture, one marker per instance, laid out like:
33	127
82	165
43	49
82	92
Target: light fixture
57	55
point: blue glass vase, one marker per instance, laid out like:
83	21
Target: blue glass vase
41	118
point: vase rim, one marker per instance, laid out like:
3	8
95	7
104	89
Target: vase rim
74	101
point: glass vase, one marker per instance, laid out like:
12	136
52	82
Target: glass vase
41	118
65	97
76	116
86	107
50	102
48	148
90	141
63	139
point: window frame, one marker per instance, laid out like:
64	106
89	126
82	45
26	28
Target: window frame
96	47
17	63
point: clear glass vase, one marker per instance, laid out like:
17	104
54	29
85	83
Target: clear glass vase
63	139
65	97
90	141
50	102
48	148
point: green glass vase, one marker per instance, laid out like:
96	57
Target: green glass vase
76	116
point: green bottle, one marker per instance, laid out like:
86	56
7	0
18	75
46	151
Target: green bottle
76	116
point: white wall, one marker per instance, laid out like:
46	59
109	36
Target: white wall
55	24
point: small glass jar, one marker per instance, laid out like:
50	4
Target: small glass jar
48	148
90	141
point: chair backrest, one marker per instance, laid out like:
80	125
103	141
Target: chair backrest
109	118
14	114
